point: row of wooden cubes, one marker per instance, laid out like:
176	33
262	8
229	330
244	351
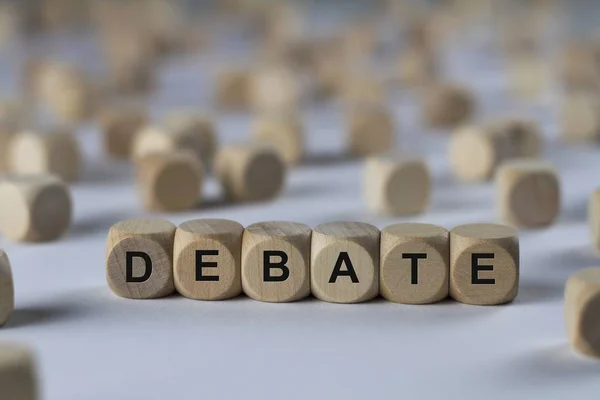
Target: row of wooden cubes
340	262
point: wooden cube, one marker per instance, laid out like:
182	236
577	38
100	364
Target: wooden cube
580	118
55	152
119	128
417	67
414	263
529	75
447	106
275	89
6	136
284	132
371	130
139	258
34	208
396	185
207	259
344	264
232	90
250	172
582	306
194	131
594	217
18	373
359	89
528	193
276	261
484	264
7	290
170	181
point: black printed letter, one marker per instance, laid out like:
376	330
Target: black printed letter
268	265
201	264
337	270
475	268
414	265
129	255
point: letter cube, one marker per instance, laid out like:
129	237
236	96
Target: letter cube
528	193
276	261
194	131
414	263
345	262
18	373
119	127
371	130
139	258
275	89
34	208
484	264
7	290
207	259
447	106
582	307
285	132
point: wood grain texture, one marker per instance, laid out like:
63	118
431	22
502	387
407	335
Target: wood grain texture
594	217
250	171
55	152
447	106
474	249
208	235
35	208
400	245
170	181
18	372
582	305
396	185
7	290
371	130
119	128
276	242
284	132
351	246
528	193
154	237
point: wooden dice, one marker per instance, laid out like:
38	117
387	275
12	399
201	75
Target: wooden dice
417	67
232	89
55	152
582	306
170	181
207	259
284	132
276	261
528	193
345	262
371	130
594	217
580	117
396	185
119	128
275	89
18	373
447	106
139	258
193	131
414	263
34	208
484	264
7	290
250	172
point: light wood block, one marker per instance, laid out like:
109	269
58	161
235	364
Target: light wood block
18	373
415	264
371	130
447	106
360	89
276	261
6	136
529	75
55	152
484	264
207	259
275	89
594	217
119	127
232	89
397	185
194	131
284	132
582	306
139	258
34	208
528	193
344	264
170	181
7	290
580	118
417	67
250	172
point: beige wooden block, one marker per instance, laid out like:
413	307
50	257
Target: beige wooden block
55	152
523	136
484	264
371	130
579	67
529	75
417	67
7	290
170	181
580	117
396	185
18	373
232	89
275	89
285	132
594	217
6	136
207	259
414	263
582	305
119	128
35	208
139	258
359	88
276	261
447	106
194	131
250	172
528	193
344	264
